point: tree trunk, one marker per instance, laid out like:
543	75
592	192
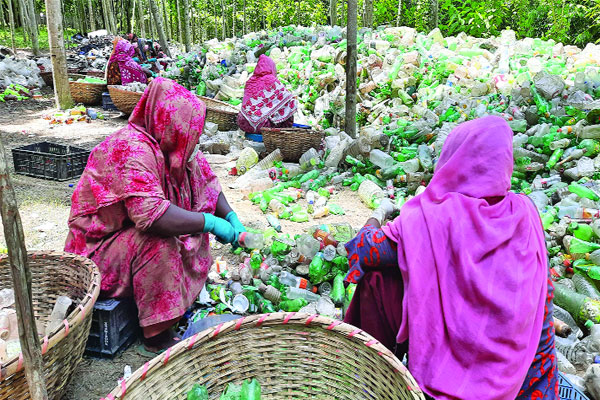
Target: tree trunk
112	15
22	18
33	27
132	23
162	37
179	29
244	27
233	18
92	18
434	14
224	21
186	25
351	69
399	17
333	12
105	12
11	21
215	18
21	279
166	19
368	22
142	19
58	55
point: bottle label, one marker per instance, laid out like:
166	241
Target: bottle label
303	283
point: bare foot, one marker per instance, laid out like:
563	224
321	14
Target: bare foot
161	342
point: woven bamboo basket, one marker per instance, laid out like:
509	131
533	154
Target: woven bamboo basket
292	355
54	274
293	142
220	113
86	93
48	78
124	100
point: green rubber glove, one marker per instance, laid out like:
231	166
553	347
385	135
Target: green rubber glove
220	228
233	219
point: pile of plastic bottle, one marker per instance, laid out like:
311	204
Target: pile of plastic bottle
15	92
277	272
413	90
20	72
248	390
76	114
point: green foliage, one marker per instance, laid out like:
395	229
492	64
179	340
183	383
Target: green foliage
20	42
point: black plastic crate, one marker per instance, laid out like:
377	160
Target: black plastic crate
114	327
107	104
50	161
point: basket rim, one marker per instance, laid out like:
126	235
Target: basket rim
118	89
255	321
75	318
230	108
88	83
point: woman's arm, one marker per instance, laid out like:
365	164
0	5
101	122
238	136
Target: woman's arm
177	221
223	207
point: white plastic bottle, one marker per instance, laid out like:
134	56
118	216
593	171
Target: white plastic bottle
59	312
370	193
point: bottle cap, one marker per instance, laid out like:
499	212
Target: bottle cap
589	324
596	359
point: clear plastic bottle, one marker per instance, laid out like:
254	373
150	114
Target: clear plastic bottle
329	253
370	193
245	274
7	298
381	159
590	132
310	200
564	365
325	306
308	246
321	212
293	293
585	286
251	240
4	325
292	280
576	353
269	160
277	207
59	312
246	160
325	289
309	159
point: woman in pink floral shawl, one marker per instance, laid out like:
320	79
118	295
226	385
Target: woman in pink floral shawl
143	208
266	103
122	69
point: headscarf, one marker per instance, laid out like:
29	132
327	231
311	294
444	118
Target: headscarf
130	70
473	261
265	97
151	152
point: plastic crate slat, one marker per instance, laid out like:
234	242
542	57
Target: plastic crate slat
50	160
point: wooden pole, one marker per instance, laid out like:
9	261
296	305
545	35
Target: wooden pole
351	69
57	55
21	278
187	40
158	23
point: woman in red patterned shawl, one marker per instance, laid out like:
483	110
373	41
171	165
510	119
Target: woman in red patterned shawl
144	206
267	103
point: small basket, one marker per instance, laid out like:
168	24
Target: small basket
292	355
566	390
85	92
54	274
293	142
50	161
124	100
221	113
48	78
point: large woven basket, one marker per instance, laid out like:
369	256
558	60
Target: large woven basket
54	274
48	78
220	113
124	100
293	142
86	93
292	355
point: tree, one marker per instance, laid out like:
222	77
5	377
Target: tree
179	30
11	20
158	23
333	12
399	17
368	12
92	16
186	25
244	27
224	20
434	14
351	68
56	40
167	25
21	278
142	20
29	10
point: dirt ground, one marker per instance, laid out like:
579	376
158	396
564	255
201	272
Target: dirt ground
44	207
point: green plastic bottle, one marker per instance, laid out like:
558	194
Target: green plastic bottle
293	305
581	231
338	291
583	191
255	261
578	246
591	147
250	390
554	158
232	392
318	269
198	392
578	305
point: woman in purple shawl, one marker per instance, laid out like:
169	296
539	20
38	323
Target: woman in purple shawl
459	280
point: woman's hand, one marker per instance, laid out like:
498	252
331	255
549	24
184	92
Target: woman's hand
233	219
384	211
219	227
